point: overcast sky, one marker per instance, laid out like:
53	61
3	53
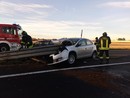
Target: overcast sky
66	18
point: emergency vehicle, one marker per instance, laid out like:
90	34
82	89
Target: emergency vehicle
9	37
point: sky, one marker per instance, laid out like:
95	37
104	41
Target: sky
68	18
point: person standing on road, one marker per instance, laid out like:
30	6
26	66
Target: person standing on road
26	40
97	44
104	43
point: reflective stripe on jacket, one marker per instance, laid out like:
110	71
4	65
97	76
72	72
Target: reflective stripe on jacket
104	43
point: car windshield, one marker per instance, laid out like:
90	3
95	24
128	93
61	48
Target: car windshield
74	40
70	41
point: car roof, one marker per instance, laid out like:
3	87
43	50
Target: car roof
72	40
76	38
65	39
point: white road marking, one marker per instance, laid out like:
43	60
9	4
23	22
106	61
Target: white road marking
63	69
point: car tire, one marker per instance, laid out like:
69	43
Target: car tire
71	59
94	55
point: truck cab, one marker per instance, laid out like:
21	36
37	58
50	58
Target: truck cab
9	37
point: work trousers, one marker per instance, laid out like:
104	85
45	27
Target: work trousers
102	56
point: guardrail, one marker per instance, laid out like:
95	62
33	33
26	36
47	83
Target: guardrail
36	51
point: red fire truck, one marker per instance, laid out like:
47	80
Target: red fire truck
9	37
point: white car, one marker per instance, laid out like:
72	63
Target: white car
74	48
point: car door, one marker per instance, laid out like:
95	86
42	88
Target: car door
89	48
81	48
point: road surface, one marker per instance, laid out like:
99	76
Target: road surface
89	79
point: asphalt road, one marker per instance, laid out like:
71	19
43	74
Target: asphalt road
88	79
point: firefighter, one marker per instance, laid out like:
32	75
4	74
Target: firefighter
26	40
104	43
97	44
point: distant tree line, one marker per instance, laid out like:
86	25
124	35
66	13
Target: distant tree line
121	39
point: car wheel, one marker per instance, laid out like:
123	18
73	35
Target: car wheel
94	55
71	59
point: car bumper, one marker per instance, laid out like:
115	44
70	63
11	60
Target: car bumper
58	58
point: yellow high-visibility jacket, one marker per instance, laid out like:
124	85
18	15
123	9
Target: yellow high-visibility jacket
104	43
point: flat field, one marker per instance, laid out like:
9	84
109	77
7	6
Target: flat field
120	45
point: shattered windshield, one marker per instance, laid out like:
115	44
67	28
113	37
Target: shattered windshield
74	40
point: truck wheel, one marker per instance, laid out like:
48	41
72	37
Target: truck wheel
4	48
71	58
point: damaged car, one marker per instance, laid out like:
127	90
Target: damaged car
72	49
